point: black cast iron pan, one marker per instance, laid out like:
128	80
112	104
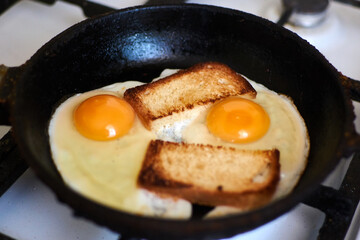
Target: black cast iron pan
137	43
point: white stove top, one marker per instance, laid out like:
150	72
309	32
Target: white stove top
29	210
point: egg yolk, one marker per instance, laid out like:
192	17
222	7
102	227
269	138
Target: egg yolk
238	120
104	117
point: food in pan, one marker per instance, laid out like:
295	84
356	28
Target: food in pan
184	91
276	123
287	133
184	120
104	117
210	175
106	170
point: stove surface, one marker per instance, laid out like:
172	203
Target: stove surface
29	210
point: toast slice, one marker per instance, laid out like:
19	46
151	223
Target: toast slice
211	175
199	85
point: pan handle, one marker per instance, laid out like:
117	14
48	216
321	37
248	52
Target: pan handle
353	89
8	79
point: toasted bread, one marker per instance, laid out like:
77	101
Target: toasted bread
199	85
211	175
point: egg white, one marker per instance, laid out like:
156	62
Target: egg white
106	171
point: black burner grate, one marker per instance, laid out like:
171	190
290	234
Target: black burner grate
11	164
11	167
338	205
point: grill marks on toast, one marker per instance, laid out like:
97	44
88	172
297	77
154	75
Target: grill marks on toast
211	175
201	84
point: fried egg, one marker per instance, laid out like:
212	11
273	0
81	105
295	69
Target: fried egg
268	121
98	144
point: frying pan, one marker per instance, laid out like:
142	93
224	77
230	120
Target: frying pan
136	44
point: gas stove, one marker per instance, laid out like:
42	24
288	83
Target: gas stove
29	210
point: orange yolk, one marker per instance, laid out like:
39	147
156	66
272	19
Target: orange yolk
238	120
104	117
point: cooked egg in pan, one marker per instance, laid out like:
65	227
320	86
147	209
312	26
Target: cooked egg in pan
98	143
268	121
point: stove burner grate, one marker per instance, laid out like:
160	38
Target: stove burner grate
11	164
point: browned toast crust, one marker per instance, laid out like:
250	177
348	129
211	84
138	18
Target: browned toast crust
179	170
198	85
